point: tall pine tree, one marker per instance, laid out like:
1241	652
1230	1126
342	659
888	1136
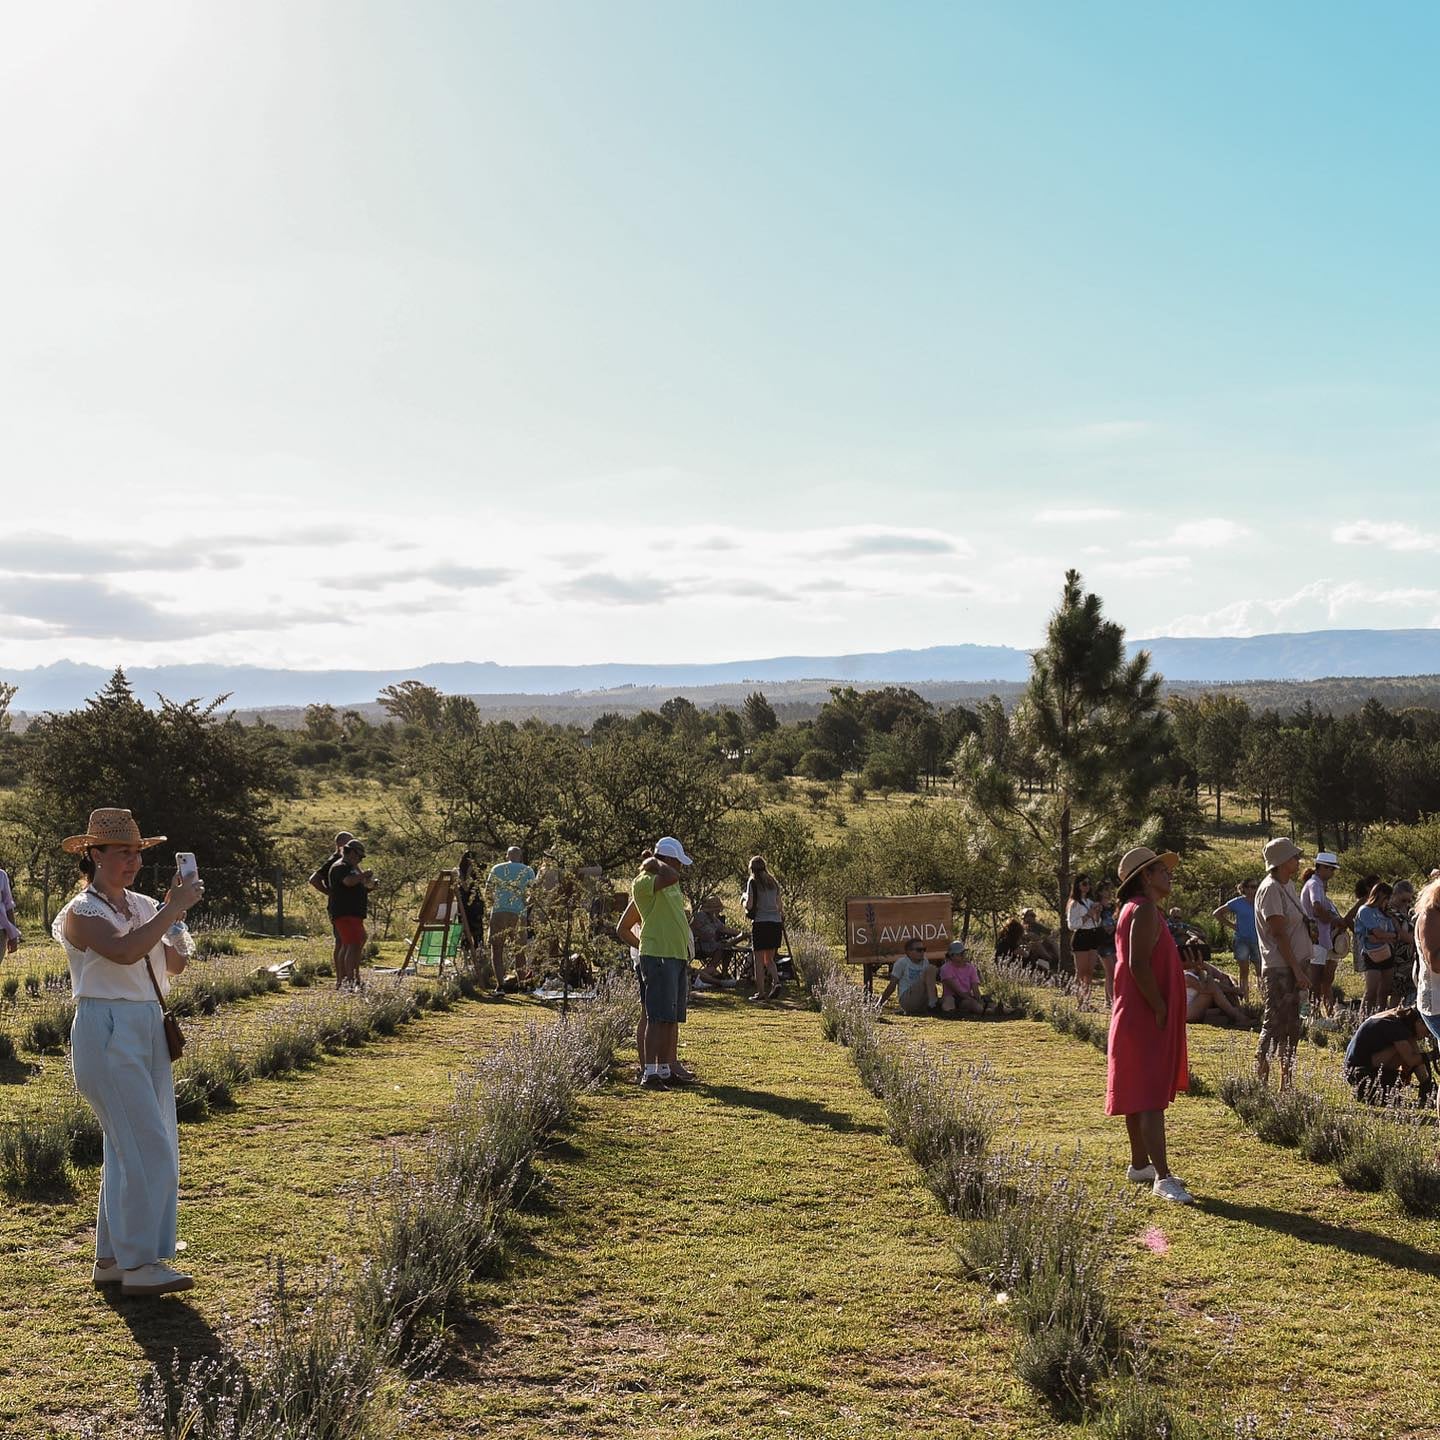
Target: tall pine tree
1099	738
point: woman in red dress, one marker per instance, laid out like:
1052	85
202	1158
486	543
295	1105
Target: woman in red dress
1148	1065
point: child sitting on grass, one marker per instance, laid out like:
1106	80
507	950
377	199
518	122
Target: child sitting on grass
960	984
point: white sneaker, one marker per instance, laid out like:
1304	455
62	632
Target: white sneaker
1170	1188
1141	1174
103	1275
156	1279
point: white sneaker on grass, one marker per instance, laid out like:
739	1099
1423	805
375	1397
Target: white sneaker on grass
156	1279
1141	1174
1171	1188
103	1275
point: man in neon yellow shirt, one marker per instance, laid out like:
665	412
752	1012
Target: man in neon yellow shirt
664	961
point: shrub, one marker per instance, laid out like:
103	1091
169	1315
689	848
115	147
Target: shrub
9	1057
1414	1180
10	987
1363	1166
1330	1136
306	1370
32	984
1288	1115
1062	1365
34	1150
218	940
50	1029
1134	1410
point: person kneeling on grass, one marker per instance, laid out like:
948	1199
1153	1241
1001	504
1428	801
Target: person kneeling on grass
960	983
1146	1058
912	976
1385	1052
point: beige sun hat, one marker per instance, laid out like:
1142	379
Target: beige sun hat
1134	861
1280	850
109	826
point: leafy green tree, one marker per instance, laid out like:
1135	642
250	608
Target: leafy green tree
1100	736
414	703
205	781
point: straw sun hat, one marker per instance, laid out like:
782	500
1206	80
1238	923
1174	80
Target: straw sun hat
1141	856
110	826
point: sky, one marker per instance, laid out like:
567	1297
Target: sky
359	333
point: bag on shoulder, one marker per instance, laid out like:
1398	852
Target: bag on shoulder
174	1035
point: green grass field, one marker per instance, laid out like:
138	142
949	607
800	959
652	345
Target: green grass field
749	1257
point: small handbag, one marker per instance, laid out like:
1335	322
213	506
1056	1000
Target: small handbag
174	1035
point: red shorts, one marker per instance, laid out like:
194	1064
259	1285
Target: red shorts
349	929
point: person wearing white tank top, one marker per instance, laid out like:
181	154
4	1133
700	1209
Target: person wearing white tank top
112	937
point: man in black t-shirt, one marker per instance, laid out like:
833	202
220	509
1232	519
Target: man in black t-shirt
320	880
349	887
1386	1051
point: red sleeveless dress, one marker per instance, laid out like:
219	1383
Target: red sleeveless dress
1147	1066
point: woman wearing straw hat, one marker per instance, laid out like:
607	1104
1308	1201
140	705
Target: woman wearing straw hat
120	967
1148	1064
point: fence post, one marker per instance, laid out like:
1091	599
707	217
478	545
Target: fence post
280	901
45	890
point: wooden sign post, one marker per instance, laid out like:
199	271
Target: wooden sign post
441	913
878	927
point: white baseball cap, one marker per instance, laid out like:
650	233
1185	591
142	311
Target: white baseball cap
669	848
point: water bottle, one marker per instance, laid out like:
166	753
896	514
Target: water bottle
180	940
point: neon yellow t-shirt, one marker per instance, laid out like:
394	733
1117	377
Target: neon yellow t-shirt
664	930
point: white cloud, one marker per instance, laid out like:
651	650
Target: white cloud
1147	567
1079	516
1322	604
1388	534
859	543
1210	534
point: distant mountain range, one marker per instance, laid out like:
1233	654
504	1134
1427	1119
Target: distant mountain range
1306	656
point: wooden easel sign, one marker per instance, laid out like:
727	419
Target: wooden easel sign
440	914
878	927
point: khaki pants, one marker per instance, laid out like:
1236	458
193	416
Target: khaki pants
1280	1022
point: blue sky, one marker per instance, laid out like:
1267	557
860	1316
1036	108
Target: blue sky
380	333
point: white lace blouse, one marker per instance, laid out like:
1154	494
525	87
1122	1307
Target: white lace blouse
92	976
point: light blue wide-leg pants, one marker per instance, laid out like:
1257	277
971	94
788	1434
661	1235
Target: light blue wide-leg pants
122	1067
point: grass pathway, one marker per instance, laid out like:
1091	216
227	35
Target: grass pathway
281	1175
751	1257
1281	1289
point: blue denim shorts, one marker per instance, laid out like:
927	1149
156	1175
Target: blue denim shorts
1247	952
665	988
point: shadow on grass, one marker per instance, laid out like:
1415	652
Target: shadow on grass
807	1112
164	1326
17	1071
1364	1243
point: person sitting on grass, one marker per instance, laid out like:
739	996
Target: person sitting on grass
1208	988
1384	1053
960	983
912	976
1041	947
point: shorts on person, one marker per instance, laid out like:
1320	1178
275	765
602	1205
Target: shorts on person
1247	952
664	989
1322	957
1280	1020
1087	942
503	921
1372	964
349	929
765	934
